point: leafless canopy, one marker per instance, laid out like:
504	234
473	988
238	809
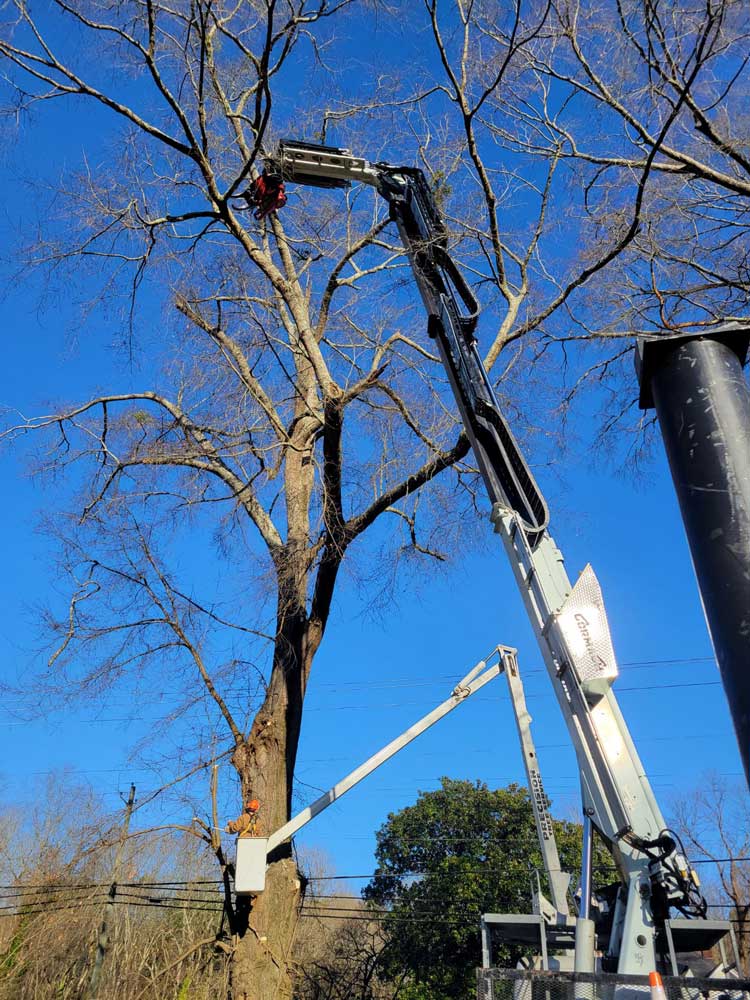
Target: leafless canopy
593	165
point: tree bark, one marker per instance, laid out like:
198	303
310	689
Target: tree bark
260	961
266	923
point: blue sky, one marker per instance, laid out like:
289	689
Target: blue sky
373	678
375	673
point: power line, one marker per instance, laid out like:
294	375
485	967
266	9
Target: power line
94	885
97	902
315	909
401	704
188	885
127	768
664	687
416	873
419	680
717	861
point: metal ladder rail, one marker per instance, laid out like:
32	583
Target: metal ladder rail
559	880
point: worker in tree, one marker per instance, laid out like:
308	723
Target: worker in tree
266	194
246	825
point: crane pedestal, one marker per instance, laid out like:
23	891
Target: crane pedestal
681	943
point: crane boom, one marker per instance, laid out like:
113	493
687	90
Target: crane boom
569	621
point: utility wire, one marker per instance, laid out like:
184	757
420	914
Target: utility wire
19	891
417	681
307	912
96	885
400	704
314	908
345	760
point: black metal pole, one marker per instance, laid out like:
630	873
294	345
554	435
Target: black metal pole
702	402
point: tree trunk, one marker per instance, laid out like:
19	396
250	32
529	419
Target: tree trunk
260	962
266	923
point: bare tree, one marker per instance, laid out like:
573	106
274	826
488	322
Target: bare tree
276	364
282	411
602	158
672	107
160	936
338	952
714	823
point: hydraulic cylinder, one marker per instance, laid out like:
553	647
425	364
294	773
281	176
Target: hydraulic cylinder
585	937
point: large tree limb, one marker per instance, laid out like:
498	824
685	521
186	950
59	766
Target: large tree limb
357	524
210	460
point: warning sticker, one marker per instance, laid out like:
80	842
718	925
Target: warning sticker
585	630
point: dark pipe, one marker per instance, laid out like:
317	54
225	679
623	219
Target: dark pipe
702	401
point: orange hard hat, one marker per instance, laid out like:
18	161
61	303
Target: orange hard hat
253	805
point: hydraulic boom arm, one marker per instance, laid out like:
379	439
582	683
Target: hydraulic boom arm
569	621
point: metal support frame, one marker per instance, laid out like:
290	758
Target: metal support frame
682	935
638	931
587	859
526	984
585	960
486	944
528	928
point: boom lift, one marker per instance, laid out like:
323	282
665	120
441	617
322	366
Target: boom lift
253	850
570	622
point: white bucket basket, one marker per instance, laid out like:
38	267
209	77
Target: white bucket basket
250	865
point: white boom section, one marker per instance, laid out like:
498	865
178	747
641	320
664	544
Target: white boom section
473	682
252	852
250	871
327	165
573	634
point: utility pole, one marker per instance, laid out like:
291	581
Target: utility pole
102	943
696	383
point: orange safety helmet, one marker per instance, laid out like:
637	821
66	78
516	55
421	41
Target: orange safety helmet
253	806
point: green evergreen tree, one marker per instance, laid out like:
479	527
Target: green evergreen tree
457	853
